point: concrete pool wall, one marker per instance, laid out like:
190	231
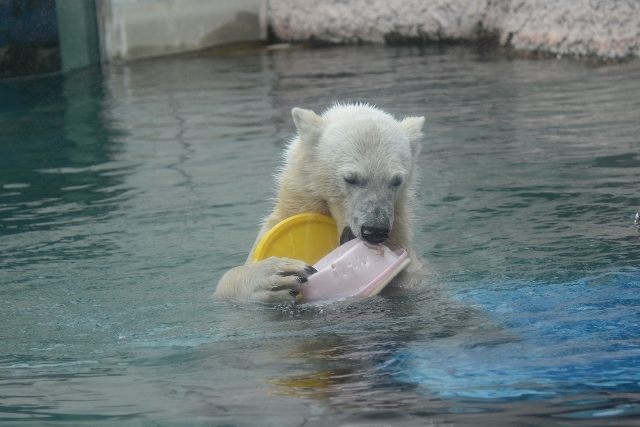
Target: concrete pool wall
133	29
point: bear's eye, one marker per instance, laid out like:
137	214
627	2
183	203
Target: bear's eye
352	180
396	181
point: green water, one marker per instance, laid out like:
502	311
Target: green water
125	193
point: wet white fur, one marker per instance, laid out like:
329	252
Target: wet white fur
345	141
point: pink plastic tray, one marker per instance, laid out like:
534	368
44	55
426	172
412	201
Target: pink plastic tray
355	269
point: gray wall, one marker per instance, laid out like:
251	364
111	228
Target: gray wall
134	29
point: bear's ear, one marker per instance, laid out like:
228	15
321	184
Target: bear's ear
308	123
412	127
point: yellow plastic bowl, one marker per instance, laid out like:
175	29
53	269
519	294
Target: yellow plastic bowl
307	237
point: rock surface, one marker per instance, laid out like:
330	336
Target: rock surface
603	28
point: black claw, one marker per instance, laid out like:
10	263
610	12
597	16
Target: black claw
302	280
309	269
294	293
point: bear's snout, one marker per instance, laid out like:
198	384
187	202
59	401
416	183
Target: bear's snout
374	234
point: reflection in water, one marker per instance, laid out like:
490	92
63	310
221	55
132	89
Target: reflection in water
57	170
360	352
124	197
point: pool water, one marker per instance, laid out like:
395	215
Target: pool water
126	192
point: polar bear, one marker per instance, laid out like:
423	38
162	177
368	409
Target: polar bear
354	163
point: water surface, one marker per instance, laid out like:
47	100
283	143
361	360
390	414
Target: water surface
126	193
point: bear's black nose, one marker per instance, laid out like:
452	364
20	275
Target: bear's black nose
374	234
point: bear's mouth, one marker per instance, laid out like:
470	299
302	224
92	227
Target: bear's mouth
346	235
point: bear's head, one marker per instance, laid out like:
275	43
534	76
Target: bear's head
360	162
